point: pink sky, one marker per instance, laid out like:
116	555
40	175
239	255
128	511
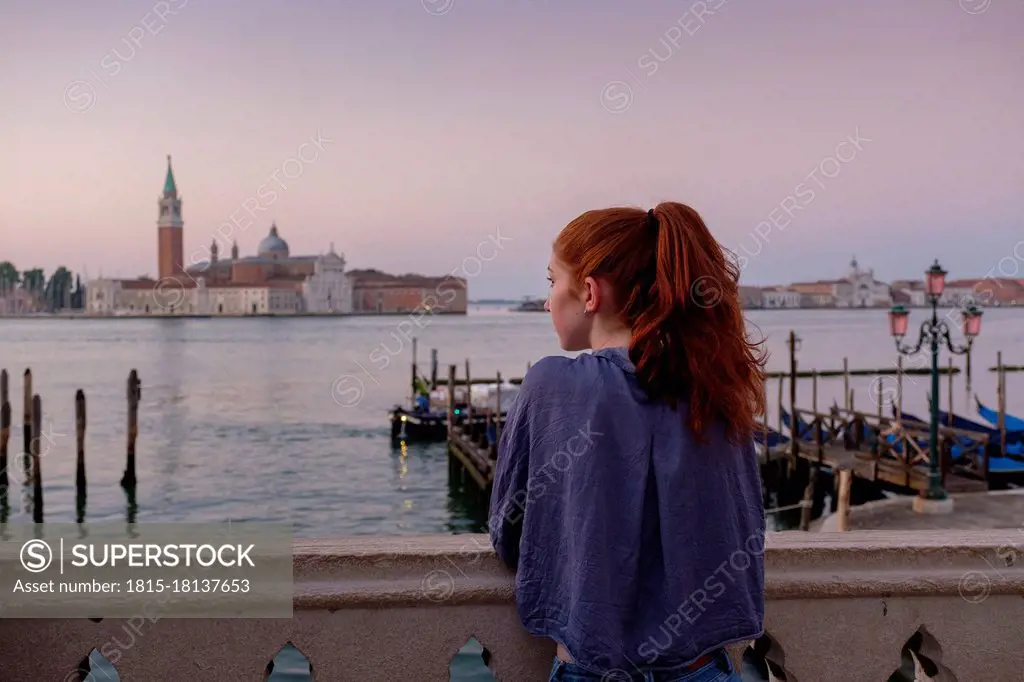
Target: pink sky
445	128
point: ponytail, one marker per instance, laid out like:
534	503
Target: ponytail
680	298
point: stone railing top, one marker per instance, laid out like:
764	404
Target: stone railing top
458	569
842	607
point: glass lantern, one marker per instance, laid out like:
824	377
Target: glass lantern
972	322
935	280
899	318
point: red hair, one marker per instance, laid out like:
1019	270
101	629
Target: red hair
678	292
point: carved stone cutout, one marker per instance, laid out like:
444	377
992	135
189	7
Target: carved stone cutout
765	661
472	661
921	660
288	664
93	668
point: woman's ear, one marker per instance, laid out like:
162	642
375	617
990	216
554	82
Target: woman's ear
591	294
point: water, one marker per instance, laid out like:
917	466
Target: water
246	419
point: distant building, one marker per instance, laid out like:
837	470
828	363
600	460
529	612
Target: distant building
990	291
751	297
909	292
378	292
271	282
820	294
780	297
18	302
901	297
987	292
864	291
858	289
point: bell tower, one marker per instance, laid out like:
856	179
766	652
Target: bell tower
170	229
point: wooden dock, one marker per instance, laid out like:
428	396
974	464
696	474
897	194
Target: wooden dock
473	459
472	440
891	472
872	452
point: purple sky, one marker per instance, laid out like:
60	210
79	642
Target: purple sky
493	115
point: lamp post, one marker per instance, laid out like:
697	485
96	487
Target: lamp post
934	331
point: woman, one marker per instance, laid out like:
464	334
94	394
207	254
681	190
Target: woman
627	494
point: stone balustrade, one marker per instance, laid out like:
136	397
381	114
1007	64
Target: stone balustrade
842	607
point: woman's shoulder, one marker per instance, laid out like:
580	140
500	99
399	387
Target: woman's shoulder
547	367
565	374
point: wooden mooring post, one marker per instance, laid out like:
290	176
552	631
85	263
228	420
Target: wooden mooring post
80	485
764	418
469	401
794	441
949	415
129	480
412	384
881	398
782	380
899	388
807	505
814	390
433	368
846	384
1001	399
5	433
26	421
37	472
451	397
843	505
497	419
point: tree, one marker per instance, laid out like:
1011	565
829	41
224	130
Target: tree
34	282
78	297
55	293
9	277
58	289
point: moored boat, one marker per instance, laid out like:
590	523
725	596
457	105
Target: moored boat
1011	422
530	305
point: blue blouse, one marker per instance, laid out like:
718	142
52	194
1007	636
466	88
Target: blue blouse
633	544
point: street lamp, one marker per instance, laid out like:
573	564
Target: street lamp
933	331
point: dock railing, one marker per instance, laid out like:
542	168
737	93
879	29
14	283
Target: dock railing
900	446
841	607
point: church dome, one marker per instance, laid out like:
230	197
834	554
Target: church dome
272	245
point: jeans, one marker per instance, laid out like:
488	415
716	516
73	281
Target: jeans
720	669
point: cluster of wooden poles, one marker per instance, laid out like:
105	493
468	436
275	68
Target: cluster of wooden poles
896	372
33	436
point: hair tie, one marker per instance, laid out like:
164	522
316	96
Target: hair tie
652	221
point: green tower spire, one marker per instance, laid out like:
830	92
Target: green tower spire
169	186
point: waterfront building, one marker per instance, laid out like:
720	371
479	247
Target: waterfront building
271	282
864	291
780	297
376	292
858	289
750	297
18	302
909	292
990	291
820	294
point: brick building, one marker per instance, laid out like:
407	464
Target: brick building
378	292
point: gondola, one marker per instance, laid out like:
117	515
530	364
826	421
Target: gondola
804	431
775	438
1012	423
999	464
